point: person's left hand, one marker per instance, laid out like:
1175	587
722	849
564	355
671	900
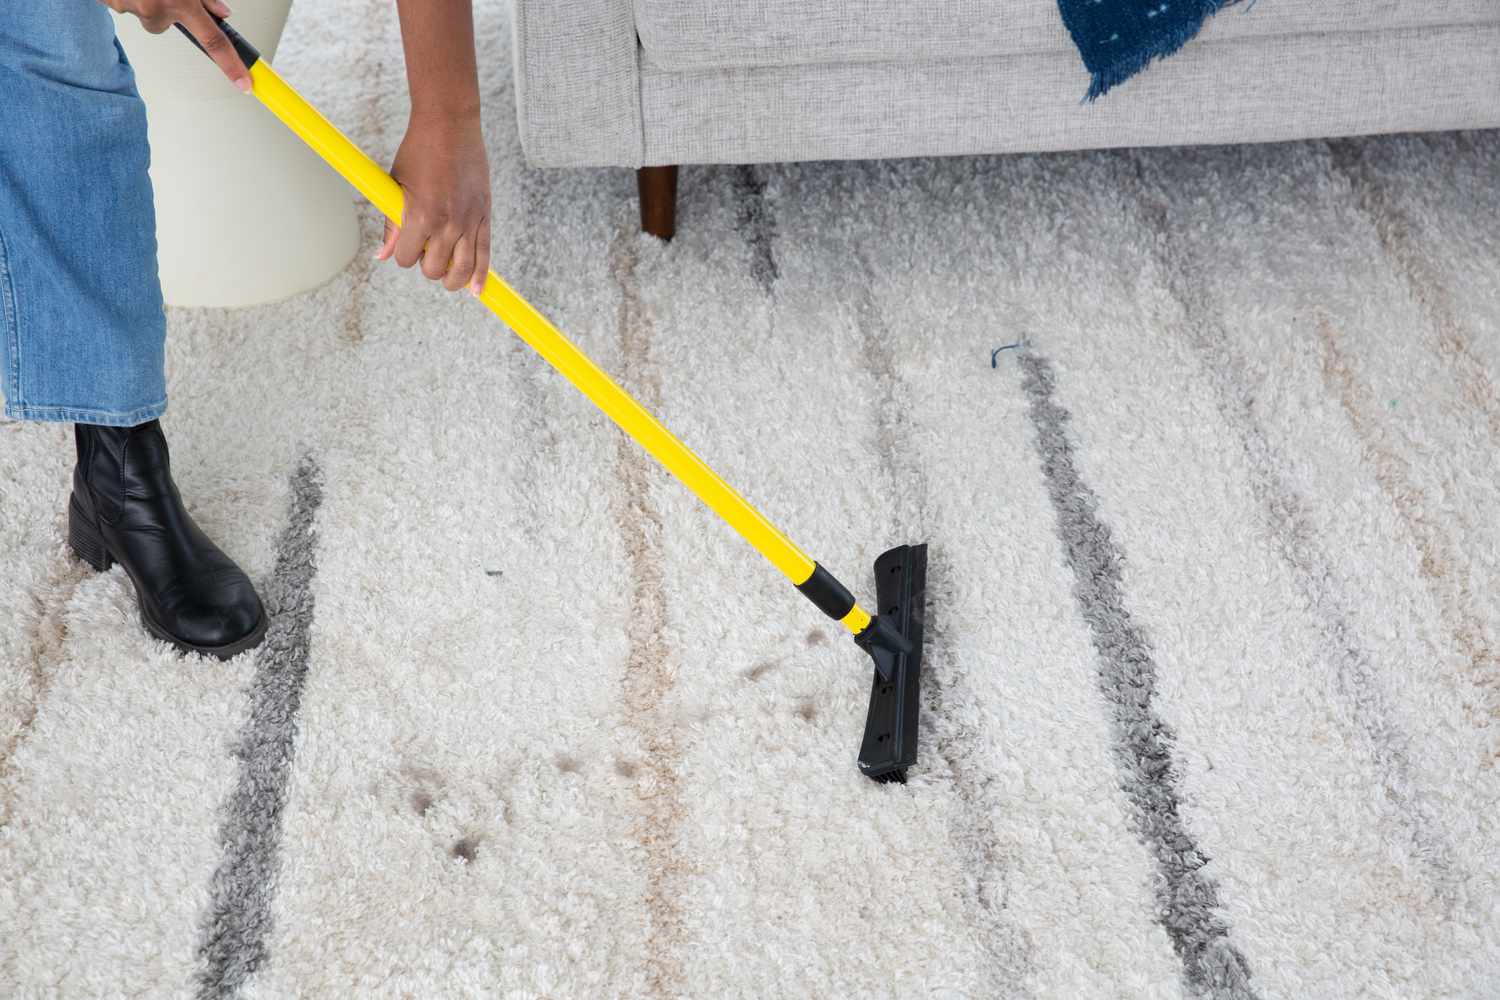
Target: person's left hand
442	168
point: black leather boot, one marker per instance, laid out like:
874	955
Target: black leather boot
125	509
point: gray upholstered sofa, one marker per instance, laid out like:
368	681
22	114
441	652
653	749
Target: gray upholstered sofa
656	83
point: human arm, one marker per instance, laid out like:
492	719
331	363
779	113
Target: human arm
441	163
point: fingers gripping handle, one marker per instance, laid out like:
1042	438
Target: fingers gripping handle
247	52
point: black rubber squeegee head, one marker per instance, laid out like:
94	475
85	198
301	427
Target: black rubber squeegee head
894	642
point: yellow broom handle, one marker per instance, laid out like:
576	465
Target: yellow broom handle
531	326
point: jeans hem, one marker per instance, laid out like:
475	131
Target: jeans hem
82	415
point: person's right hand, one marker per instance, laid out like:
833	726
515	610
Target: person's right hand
159	15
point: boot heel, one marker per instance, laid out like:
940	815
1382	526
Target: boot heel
84	539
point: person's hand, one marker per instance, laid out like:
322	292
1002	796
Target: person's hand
445	176
157	16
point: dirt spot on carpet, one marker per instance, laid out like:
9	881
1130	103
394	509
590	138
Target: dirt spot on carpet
420	788
760	670
817	637
465	849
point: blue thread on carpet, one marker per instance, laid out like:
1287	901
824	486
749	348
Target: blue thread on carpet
1119	38
995	354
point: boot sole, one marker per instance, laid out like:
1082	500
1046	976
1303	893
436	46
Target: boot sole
88	544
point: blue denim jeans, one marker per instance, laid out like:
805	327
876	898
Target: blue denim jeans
81	324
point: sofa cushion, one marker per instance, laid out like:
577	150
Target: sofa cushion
716	34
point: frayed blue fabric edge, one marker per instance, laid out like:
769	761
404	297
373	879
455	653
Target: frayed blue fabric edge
1121	70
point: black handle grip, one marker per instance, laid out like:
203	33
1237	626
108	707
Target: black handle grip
248	54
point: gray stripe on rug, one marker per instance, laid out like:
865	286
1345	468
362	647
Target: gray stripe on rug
757	225
49	636
1126	672
650	674
370	130
1394	229
238	921
530	380
1443	565
1296	539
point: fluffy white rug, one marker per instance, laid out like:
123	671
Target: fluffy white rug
1212	685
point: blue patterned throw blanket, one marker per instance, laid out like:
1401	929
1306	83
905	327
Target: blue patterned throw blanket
1118	38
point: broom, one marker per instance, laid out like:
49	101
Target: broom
892	638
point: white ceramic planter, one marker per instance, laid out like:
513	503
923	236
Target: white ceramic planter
245	213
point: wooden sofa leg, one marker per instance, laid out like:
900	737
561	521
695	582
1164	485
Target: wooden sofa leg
658	190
